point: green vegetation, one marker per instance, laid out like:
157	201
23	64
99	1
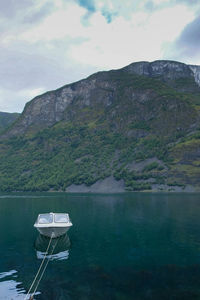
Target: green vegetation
140	125
152	166
146	118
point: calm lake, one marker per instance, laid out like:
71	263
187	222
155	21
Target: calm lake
121	246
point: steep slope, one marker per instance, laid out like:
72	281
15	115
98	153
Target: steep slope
6	119
139	125
102	89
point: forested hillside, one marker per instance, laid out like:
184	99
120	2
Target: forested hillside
139	125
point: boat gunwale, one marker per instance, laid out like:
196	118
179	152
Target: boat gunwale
53	225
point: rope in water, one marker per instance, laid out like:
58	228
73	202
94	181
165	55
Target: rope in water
44	269
28	294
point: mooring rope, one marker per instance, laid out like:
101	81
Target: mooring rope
44	269
28	294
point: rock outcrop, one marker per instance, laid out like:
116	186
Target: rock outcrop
196	73
166	70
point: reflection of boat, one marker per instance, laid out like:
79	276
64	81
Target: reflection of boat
59	246
53	224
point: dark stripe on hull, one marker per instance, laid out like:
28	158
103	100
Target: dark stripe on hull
53	231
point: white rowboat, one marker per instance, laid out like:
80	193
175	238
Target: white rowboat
53	224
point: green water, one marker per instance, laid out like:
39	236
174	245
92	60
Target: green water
123	246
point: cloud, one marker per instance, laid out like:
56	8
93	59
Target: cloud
112	8
9	8
189	40
45	44
26	69
61	23
36	57
123	41
18	99
19	16
38	13
108	15
25	11
88	4
152	5
187	45
188	2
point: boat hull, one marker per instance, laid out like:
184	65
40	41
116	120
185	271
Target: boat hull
53	232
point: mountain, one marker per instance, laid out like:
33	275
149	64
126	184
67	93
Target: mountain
136	128
6	119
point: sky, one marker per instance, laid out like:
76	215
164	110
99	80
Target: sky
45	44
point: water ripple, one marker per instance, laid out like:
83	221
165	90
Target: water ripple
11	289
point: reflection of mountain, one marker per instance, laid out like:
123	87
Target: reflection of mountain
60	252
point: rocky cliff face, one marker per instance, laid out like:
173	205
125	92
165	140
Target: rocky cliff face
139	125
54	106
196	73
51	107
165	70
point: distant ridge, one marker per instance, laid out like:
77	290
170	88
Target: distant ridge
6	119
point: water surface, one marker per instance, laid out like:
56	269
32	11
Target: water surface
121	247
